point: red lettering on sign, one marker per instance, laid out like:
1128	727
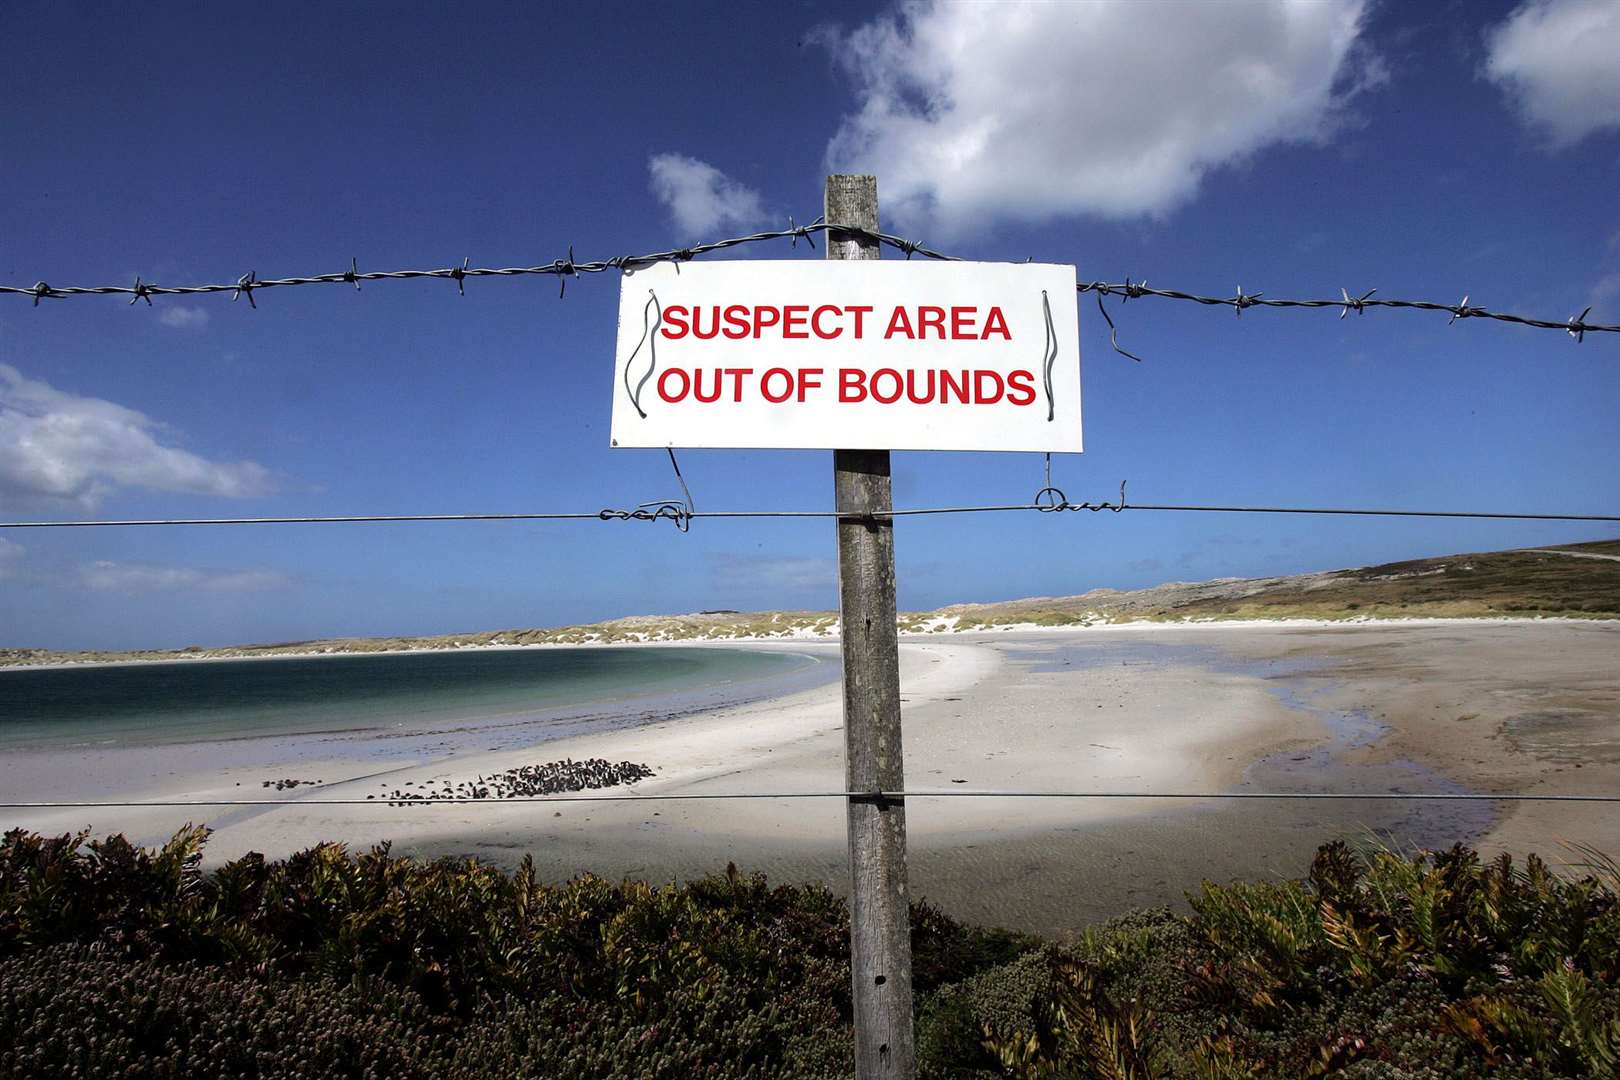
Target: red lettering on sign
950	386
663	387
980	396
851	385
962	319
697	323
736	374
797	322
879	394
765	385
860	311
930	317
809	379
911	388
815	322
995	323
793	319
697	386
674	320
1020	388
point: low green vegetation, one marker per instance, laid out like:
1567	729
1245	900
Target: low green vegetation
1495	584
118	961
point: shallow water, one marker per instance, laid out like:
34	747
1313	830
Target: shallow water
1298	684
412	696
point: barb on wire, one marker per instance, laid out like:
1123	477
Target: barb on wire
565	269
803	233
1359	304
1577	325
681	511
1239	302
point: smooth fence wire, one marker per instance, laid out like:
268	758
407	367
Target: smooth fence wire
563	269
668	511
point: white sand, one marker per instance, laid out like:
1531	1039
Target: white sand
995	711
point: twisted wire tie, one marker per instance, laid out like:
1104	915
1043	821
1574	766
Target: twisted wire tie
680	511
1060	502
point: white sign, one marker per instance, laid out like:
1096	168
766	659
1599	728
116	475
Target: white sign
858	355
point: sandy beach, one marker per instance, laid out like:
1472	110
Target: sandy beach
1445	706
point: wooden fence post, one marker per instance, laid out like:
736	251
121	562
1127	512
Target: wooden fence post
880	917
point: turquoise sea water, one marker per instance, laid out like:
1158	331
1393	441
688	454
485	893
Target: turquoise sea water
144	704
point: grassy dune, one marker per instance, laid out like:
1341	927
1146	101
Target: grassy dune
1492	584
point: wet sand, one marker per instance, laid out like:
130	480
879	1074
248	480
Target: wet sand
1435	706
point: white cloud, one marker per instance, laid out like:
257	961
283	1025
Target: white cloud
60	446
10	555
147	577
701	197
1559	60
183	316
1029	111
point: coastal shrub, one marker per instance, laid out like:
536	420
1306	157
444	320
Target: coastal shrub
717	1028
1377	965
1380	964
66	1010
951	1023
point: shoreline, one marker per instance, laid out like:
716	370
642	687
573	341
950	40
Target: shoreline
1214	707
791	639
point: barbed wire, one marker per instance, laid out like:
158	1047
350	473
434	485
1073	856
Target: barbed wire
249	283
885	796
674	511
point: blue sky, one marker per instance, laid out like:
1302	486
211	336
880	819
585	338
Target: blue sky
1431	151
